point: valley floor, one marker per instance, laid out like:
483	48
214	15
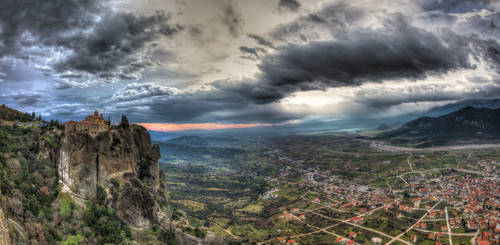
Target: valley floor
297	191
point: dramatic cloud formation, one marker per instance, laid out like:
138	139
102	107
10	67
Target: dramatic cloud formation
242	62
85	36
396	51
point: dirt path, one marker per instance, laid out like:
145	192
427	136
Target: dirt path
227	231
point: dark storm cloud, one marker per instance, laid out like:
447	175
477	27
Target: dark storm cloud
23	98
261	40
114	42
399	51
232	18
93	38
293	5
251	53
334	18
156	102
45	20
454	6
205	106
487	26
29	99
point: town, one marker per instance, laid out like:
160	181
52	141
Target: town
366	197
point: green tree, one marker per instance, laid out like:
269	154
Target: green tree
101	195
124	122
73	240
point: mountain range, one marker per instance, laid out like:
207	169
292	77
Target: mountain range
466	124
452	107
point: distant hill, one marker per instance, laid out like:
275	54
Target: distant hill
448	108
189	140
173	152
383	127
193	140
466	124
9	114
198	148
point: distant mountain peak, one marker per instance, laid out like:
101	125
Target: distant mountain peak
467	124
475	103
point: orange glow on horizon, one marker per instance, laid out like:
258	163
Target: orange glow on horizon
166	127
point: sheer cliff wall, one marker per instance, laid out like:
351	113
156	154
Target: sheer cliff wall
123	162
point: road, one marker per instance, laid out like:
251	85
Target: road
382	146
318	230
346	221
448	225
408	161
411	227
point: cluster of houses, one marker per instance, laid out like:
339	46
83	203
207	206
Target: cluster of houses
471	191
283	240
475	195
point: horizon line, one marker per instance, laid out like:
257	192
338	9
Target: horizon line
174	127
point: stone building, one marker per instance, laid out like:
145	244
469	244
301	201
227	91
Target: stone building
92	125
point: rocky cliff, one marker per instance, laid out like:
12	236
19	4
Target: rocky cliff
61	187
121	161
4	229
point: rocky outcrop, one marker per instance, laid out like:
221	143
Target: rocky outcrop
4	230
183	238
124	163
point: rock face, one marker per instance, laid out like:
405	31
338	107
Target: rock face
123	162
4	230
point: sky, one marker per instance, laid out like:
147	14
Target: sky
215	64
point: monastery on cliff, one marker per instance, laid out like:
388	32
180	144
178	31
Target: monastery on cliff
92	125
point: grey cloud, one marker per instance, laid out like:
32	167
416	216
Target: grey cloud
117	41
376	103
424	93
93	37
232	18
333	19
45	20
209	106
72	75
487	27
27	99
136	91
61	85
262	41
395	52
252	53
68	111
454	6
293	5
23	99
